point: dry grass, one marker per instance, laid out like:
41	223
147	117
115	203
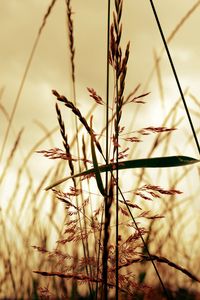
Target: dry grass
75	222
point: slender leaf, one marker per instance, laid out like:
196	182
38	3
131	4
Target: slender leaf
95	162
155	162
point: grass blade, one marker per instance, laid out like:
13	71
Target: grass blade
95	163
155	162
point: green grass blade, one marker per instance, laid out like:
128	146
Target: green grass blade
155	162
95	163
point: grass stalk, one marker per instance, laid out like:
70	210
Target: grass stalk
72	58
23	80
175	76
106	198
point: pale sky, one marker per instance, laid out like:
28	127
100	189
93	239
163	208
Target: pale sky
20	20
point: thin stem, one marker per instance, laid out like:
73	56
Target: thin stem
117	196
72	53
106	233
117	178
21	86
175	75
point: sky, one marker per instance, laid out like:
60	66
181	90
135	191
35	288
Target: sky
50	67
21	19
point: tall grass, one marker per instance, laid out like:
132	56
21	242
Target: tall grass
107	230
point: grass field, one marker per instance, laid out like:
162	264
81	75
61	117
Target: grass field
99	177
